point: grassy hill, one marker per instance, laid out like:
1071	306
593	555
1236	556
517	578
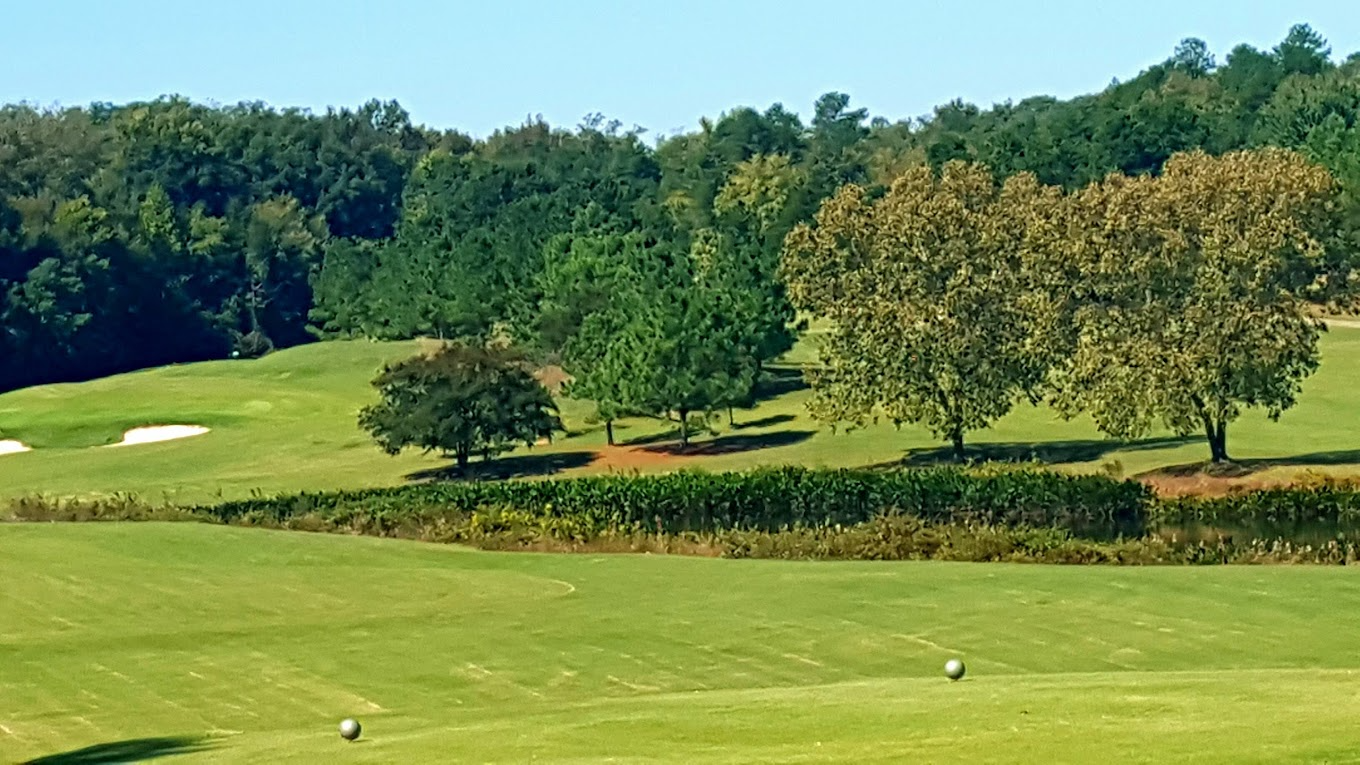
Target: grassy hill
263	641
287	423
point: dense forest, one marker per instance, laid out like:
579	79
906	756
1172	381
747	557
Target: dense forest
168	231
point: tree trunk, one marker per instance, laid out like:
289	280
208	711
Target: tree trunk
731	420
609	431
462	455
956	438
253	305
684	426
1215	432
1218	442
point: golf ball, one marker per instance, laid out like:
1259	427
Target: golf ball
349	729
953	669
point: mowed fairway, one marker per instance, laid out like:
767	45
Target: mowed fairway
287	423
264	641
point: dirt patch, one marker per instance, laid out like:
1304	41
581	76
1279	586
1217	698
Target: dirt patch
1177	483
623	459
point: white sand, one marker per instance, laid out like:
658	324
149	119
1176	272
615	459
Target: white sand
11	446
155	433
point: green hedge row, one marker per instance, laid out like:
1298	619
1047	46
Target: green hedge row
766	499
1309	513
771	499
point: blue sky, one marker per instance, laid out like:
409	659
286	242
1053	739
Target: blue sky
661	65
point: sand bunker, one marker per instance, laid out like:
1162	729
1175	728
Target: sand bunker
10	446
155	433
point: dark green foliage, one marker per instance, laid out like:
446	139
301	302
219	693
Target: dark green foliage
902	537
646	327
1308	513
1303	51
1017	515
468	249
460	400
152	232
163	232
251	345
864	510
348	267
766	499
1192	56
896	536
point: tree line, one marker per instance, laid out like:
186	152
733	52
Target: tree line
160	232
170	231
1174	300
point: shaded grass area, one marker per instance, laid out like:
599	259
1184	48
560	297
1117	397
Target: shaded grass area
264	641
1052	452
286	423
1252	466
731	444
131	750
502	468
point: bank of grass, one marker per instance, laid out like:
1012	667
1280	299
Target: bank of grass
991	514
257	643
286	423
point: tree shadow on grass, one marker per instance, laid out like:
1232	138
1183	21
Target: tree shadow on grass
1246	467
765	422
131	750
671	433
1049	452
698	429
502	468
779	381
733	444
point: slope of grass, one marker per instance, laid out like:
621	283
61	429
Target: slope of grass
287	423
135	637
284	421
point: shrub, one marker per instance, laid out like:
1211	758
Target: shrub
1314	512
251	345
767	499
1014	513
117	507
460	400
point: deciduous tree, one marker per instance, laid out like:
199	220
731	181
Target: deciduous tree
460	400
930	293
1193	288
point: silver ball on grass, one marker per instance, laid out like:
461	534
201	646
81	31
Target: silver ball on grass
349	729
953	669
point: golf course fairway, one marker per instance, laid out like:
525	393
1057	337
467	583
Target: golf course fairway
222	644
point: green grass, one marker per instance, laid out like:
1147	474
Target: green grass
287	423
266	640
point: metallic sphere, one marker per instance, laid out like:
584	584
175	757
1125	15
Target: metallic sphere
953	669
349	729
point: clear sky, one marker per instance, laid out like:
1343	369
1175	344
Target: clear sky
477	66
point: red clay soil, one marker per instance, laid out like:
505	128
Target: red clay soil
1187	480
1207	486
624	459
